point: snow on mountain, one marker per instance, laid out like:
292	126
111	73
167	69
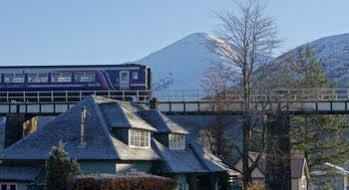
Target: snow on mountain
183	63
334	51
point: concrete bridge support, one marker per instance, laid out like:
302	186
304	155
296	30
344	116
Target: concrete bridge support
18	126
278	174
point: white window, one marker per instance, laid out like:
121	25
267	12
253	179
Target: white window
176	141
135	75
63	77
139	138
85	77
14	78
5	186
38	78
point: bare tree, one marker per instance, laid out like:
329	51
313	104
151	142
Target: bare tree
246	40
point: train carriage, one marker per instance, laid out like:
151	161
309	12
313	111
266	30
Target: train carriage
123	81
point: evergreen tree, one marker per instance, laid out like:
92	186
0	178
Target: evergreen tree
59	167
319	137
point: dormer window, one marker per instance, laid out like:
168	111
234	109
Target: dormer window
176	141
139	138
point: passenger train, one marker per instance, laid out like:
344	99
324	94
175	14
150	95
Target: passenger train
77	77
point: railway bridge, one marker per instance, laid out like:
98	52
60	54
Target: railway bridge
297	101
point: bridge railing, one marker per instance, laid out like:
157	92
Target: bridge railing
7	97
309	94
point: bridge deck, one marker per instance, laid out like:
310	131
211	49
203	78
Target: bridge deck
304	101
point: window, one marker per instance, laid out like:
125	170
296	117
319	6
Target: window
177	142
8	186
124	76
135	75
85	77
139	138
61	77
14	78
38	78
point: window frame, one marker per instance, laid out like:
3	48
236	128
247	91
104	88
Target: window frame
176	141
135	75
40	78
13	76
137	142
83	73
8	185
61	74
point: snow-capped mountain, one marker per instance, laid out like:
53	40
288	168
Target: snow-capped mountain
182	63
334	51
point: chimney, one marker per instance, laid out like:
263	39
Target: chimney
82	126
153	104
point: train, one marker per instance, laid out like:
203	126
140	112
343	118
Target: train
75	77
70	83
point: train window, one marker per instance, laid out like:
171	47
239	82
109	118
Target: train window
85	77
63	77
135	75
38	78
124	76
14	78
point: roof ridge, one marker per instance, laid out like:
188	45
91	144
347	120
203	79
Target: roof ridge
104	125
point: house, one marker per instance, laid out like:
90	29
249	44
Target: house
109	136
299	171
322	180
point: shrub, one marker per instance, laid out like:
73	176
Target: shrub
123	182
60	167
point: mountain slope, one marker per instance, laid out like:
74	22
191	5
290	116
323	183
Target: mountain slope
184	62
334	51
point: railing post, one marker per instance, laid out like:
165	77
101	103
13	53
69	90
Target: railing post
38	94
138	96
7	97
52	96
109	95
66	96
80	95
24	96
123	95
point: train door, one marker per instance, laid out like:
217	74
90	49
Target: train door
124	77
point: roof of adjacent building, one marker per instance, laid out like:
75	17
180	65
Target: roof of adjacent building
103	115
162	123
18	173
298	164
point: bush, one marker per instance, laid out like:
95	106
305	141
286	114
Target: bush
124	182
60	167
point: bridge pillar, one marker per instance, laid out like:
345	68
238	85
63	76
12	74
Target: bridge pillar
18	126
278	171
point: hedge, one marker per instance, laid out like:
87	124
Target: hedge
121	182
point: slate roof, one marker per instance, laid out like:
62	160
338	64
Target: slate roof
18	173
100	144
117	115
162	123
179	161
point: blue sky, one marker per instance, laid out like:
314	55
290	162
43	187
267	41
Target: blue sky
41	32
